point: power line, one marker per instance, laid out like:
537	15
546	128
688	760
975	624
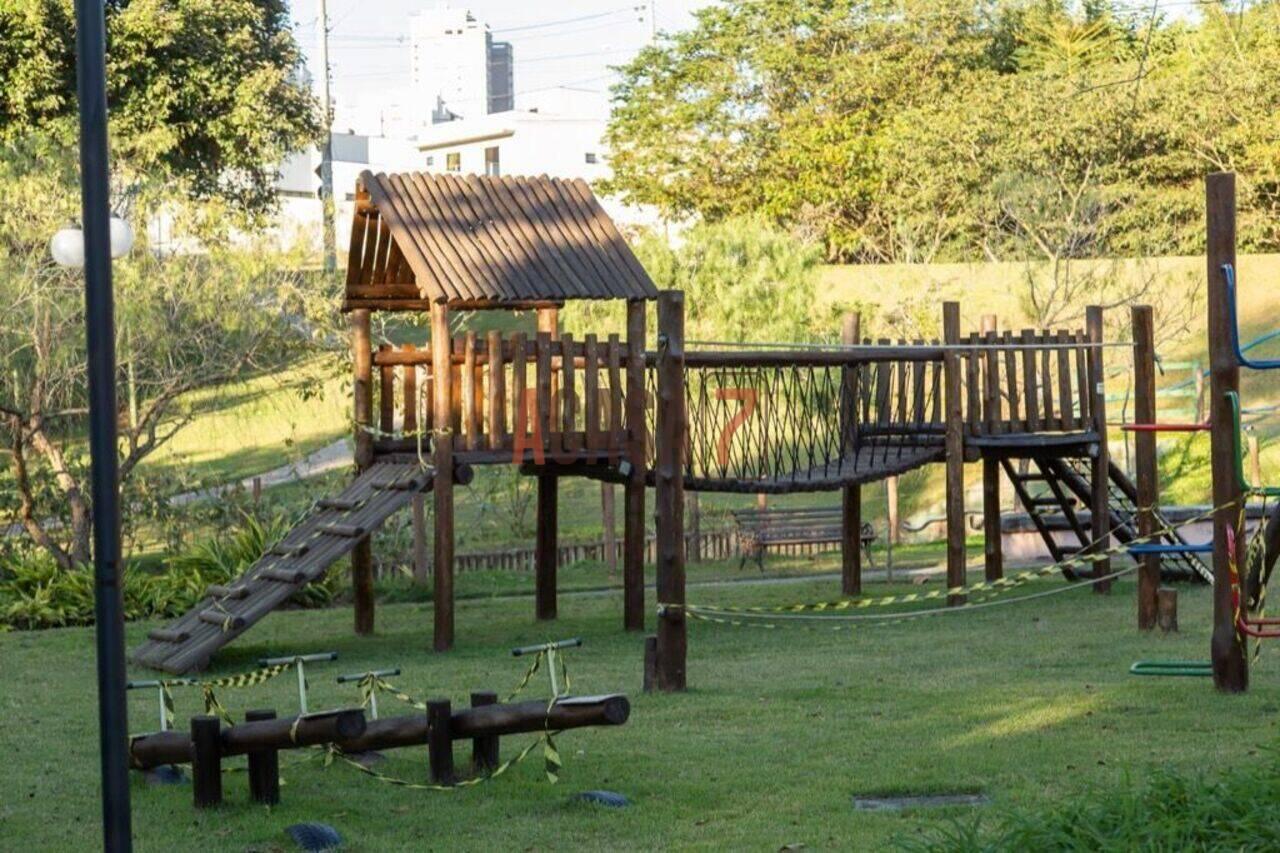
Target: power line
578	19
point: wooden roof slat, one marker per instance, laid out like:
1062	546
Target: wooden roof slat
485	240
510	278
547	232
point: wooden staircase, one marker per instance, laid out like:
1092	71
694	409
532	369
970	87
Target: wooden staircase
329	532
1066	488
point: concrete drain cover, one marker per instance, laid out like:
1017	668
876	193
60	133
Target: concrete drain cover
928	801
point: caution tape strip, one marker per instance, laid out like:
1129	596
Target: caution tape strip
1010	582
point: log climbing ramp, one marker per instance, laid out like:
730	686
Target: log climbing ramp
330	531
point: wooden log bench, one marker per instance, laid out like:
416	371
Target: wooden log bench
758	529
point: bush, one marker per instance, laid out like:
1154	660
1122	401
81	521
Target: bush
36	593
1168	811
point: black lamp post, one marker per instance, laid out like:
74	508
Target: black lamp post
91	87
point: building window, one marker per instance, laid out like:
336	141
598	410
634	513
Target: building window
491	167
591	157
453	161
431	161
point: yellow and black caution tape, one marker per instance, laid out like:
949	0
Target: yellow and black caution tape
370	683
551	760
994	587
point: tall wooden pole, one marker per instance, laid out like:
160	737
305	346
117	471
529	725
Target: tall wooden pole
669	491
442	489
992	546
1230	665
954	414
1144	449
634	490
362	394
851	496
1100	506
546	537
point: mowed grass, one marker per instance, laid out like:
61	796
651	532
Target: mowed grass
1029	703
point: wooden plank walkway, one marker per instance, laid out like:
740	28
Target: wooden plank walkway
328	532
866	465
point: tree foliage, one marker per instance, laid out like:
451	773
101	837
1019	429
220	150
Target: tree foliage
958	129
210	93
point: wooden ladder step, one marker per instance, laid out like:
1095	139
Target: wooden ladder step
343	504
410	485
228	621
1051	501
349	531
283	575
217	590
167	635
282	550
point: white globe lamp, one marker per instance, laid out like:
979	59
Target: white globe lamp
121	237
67	247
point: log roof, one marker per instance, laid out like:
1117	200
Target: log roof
481	241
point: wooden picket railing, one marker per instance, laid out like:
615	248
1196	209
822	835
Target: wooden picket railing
1030	382
515	399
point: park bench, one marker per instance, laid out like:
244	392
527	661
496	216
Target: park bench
759	529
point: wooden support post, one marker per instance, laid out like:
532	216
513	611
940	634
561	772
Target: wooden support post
1145	462
206	761
1167	609
439	741
485	749
633	535
608	522
669	492
545	547
442	489
1100	464
650	663
264	767
851	496
362	393
954	415
992	544
421	565
1230	665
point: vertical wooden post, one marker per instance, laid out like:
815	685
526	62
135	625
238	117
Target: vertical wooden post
421	564
1167	609
608	522
545	537
484	749
851	496
1144	450
439	741
1230	665
442	489
954	408
1100	506
992	544
633	492
206	761
669	492
362	394
264	767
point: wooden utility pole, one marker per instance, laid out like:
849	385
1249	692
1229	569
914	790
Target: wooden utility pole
1144	450
851	496
1230	665
669	492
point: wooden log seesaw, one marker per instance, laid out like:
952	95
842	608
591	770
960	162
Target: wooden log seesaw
263	735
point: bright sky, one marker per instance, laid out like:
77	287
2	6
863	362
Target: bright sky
569	43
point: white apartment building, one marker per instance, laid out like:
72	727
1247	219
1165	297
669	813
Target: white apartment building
456	68
519	142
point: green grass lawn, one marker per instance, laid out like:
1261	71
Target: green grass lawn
1028	703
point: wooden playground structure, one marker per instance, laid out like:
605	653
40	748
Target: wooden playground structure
680	416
